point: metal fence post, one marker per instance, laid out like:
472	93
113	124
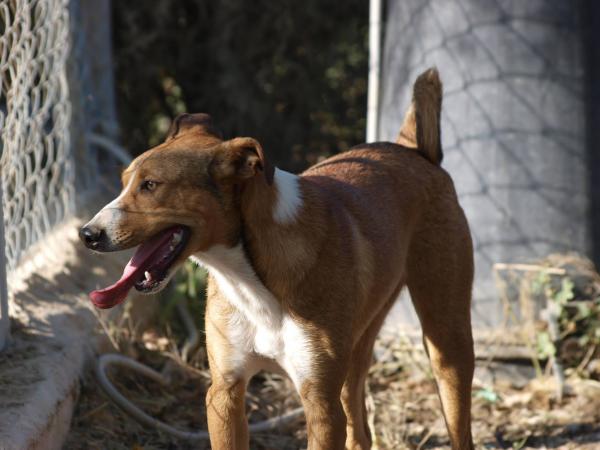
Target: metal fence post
4	321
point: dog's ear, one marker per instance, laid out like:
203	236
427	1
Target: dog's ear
240	159
200	123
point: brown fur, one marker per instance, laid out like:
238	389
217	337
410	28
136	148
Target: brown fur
421	127
373	219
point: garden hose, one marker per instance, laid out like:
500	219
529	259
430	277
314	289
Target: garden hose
109	359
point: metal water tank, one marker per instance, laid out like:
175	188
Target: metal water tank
513	123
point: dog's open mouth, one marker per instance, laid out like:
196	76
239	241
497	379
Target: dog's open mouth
148	269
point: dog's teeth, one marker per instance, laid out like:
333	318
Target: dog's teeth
176	238
148	276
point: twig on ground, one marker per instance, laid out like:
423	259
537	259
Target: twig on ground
530	268
425	439
107	332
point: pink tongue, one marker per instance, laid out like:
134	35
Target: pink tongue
139	262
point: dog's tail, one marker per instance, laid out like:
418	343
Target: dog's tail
421	126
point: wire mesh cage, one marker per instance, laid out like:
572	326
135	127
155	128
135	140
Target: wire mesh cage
56	89
37	167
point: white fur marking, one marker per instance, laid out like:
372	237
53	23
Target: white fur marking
116	203
241	333
260	326
240	285
297	358
289	199
108	218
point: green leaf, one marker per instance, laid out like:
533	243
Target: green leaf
584	340
545	346
518	445
583	311
540	282
566	292
488	395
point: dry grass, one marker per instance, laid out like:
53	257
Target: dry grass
403	406
505	415
404	411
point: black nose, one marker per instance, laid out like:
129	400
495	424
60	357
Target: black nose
90	236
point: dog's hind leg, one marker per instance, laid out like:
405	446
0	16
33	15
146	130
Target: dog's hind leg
325	418
358	434
440	272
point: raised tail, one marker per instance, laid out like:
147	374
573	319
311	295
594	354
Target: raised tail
421	126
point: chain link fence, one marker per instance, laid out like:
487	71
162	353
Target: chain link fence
37	168
56	91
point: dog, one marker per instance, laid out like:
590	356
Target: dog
304	269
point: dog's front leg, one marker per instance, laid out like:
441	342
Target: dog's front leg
225	400
325	418
227	424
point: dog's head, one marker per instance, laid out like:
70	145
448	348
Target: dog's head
178	199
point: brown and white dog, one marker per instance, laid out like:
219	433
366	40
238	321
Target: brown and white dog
304	269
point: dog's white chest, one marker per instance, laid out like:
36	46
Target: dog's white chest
289	346
259	327
269	343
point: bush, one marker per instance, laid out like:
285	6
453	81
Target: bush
291	74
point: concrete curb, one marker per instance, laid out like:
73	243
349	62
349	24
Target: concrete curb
53	338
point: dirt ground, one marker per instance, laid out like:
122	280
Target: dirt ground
404	409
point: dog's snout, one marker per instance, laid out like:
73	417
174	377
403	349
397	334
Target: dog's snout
91	236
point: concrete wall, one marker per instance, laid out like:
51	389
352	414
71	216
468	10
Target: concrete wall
514	121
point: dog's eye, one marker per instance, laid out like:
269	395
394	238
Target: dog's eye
148	185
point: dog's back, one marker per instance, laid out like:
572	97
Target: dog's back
389	188
384	173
